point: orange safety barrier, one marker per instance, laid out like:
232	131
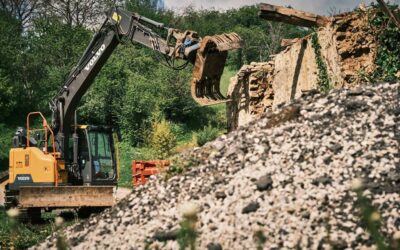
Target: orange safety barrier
142	170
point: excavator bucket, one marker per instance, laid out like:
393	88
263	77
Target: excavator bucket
209	66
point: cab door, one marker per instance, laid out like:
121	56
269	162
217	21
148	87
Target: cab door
102	156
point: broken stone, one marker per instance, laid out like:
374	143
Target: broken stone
165	235
214	246
251	207
264	183
220	195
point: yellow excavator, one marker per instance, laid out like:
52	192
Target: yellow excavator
66	165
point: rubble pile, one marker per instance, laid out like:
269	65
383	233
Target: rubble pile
284	179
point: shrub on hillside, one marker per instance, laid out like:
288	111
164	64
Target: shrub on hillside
162	140
208	133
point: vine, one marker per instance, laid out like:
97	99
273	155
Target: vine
323	77
388	55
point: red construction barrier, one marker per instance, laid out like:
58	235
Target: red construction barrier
142	170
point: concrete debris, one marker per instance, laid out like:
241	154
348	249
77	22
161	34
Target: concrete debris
290	183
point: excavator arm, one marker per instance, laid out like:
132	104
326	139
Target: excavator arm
208	56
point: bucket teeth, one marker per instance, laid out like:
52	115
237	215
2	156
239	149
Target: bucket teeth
209	66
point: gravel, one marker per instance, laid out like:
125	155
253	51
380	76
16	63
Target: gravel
287	176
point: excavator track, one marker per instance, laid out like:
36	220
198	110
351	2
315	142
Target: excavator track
209	66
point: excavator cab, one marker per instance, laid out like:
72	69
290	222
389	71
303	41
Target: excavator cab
96	155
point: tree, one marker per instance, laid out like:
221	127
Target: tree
7	102
23	10
77	13
147	8
11	43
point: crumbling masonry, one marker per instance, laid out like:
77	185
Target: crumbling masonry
347	51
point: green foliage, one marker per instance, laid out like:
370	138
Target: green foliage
5	144
208	133
62	243
11	43
187	233
7	101
370	218
187	236
180	164
226	79
162	140
260	239
388	57
20	236
323	76
54	49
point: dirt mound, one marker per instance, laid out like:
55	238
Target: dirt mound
285	177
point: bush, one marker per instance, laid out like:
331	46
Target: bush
162	140
6	134
208	133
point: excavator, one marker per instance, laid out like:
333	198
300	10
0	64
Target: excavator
66	165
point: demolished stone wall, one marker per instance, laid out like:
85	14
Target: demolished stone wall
348	49
252	93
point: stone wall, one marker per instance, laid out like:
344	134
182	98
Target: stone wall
348	49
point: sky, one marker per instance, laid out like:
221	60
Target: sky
323	7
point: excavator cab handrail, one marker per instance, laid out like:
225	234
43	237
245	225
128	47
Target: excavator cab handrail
46	129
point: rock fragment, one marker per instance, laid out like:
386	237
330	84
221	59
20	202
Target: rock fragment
264	183
251	207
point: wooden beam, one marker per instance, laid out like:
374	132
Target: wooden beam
291	16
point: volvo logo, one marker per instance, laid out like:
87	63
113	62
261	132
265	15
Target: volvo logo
23	178
95	57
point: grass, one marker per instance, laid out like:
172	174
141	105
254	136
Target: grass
24	235
224	86
226	79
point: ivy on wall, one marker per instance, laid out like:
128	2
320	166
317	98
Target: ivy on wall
323	77
388	54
